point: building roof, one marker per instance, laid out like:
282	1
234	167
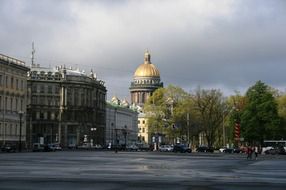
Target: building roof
147	69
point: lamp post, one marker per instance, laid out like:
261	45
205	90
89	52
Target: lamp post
125	136
93	129
21	113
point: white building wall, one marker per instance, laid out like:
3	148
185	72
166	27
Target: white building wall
118	120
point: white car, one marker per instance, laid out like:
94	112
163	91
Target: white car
166	148
222	149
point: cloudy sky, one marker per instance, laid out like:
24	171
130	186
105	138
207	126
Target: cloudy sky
225	44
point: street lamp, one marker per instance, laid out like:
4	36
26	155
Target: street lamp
125	136
21	113
91	139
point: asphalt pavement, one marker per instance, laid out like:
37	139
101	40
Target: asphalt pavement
140	170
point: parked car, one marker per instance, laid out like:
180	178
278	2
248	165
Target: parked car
222	149
132	147
143	147
37	147
72	146
272	151
232	150
182	148
205	149
276	150
54	147
8	148
166	148
97	146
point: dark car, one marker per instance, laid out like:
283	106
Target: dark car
8	148
276	150
232	150
205	149
182	148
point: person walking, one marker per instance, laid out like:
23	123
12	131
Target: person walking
256	152
249	153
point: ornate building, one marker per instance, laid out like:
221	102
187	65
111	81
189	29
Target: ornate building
13	98
145	81
65	106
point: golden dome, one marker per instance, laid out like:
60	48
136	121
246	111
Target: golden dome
147	69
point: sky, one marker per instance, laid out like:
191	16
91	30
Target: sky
222	44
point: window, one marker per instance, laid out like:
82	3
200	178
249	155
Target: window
138	121
21	107
11	104
1	80
38	115
12	82
42	116
22	85
143	121
5	104
50	89
42	89
17	84
16	107
143	130
57	90
6	81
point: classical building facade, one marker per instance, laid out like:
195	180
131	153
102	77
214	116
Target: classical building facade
121	123
65	106
145	81
13	98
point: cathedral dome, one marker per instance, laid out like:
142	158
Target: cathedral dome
147	69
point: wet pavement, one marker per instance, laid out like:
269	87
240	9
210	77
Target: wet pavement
139	170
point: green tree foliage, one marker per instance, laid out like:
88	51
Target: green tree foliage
210	106
160	110
281	101
259	119
236	105
187	118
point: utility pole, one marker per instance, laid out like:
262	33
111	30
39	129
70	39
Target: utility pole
20	132
188	125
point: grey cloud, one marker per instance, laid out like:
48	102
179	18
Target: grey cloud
229	44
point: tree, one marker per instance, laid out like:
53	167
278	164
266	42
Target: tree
186	116
281	101
236	105
161	110
259	119
210	105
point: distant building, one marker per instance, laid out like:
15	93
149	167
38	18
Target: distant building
65	106
145	81
121	122
13	98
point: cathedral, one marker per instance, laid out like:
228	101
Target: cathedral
145	81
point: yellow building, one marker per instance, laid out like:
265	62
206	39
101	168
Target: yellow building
13	98
146	80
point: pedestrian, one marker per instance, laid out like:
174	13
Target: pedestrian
249	153
256	152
